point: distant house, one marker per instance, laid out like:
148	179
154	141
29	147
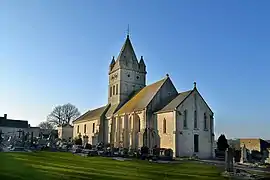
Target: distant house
65	132
10	127
255	144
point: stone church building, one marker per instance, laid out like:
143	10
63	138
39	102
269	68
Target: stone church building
152	115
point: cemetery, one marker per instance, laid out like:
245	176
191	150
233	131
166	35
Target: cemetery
48	153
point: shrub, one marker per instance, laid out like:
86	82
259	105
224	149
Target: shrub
88	146
222	143
78	141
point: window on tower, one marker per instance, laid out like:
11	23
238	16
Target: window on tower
116	89
205	121
185	119
113	89
195	120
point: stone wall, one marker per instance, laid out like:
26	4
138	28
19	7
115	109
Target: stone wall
186	134
93	134
251	144
167	139
65	132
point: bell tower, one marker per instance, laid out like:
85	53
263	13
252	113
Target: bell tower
126	74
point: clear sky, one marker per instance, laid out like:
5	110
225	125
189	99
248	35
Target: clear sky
55	52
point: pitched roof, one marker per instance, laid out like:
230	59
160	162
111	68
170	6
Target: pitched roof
179	99
142	98
125	52
91	114
13	123
127	48
111	110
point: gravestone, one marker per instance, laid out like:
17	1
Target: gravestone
229	160
268	158
243	154
32	138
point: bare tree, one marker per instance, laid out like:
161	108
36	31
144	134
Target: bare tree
63	114
46	125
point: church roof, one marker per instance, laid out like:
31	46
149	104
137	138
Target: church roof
179	99
13	123
142	98
112	110
127	48
126	51
92	114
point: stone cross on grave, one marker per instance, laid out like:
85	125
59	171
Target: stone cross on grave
20	131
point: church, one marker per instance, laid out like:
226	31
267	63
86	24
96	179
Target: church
151	115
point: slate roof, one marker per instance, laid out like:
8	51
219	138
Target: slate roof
92	114
13	123
111	110
179	99
127	48
142	98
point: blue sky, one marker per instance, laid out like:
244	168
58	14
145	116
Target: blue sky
55	52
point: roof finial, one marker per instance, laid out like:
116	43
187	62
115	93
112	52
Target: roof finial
128	31
194	84
167	75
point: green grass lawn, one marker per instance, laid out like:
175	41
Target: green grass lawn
54	165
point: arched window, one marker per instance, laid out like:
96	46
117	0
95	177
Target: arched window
205	121
195	120
93	129
139	125
85	128
164	126
185	119
116	89
113	89
78	129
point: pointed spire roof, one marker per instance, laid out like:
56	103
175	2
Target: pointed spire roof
112	62
126	54
142	61
127	50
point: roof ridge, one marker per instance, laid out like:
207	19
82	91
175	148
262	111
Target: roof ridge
146	94
89	111
175	102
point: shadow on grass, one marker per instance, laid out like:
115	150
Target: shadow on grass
46	165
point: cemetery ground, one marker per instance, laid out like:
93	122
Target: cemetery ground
59	165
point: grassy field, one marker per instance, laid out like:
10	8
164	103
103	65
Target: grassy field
53	165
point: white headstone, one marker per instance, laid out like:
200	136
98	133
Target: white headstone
243	154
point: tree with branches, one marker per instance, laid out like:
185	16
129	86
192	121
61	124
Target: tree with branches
46	125
63	114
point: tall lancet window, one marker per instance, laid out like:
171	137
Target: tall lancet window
111	91
164	126
85	128
116	89
139	125
205	121
185	119
195	120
